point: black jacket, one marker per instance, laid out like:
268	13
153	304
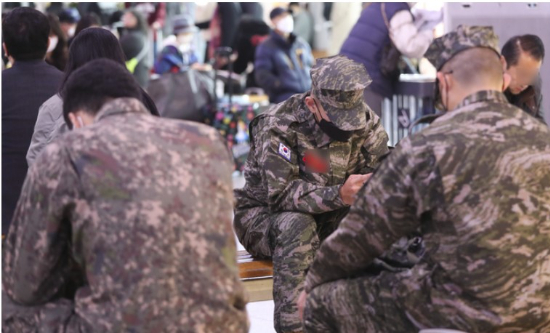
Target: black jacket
251	33
529	100
283	66
25	87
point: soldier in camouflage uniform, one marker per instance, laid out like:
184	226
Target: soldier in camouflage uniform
308	157
124	225
477	184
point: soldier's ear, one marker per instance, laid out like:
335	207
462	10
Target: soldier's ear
310	103
442	80
74	121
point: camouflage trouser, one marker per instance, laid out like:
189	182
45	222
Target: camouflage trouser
355	305
54	317
290	239
391	302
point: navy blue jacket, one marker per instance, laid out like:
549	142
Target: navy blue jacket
282	66
367	40
25	87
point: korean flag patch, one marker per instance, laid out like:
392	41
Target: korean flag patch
284	151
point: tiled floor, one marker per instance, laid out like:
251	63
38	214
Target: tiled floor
259	313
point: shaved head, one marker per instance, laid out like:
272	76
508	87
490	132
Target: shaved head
476	66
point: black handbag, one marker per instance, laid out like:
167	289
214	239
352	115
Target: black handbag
187	95
389	64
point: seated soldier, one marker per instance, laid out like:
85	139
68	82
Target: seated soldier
309	156
112	232
477	184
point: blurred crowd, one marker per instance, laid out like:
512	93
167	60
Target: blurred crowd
121	216
270	46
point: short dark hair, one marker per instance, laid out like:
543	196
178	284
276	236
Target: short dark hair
91	86
475	65
25	32
90	44
530	44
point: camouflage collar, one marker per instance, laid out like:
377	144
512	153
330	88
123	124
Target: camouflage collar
120	105
483	96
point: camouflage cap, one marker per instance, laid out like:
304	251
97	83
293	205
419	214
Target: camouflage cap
445	47
338	83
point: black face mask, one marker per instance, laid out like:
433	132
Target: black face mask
332	130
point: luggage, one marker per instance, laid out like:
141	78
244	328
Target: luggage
232	121
231	117
186	95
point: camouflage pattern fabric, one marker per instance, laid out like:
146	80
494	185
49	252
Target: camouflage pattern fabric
477	184
289	205
338	83
447	46
125	226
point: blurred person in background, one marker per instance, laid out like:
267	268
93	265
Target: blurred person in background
369	37
25	86
252	9
153	12
88	45
87	21
204	12
251	33
135	44
68	18
223	29
343	17
524	56
178	52
85	8
174	9
57	52
320	13
155	15
303	22
283	61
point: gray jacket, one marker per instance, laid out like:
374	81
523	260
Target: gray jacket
49	125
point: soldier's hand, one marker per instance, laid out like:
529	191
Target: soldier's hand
352	186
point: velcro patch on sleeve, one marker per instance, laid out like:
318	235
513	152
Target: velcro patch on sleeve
285	152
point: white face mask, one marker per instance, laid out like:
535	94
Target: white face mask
53	43
185	42
286	25
185	48
71	31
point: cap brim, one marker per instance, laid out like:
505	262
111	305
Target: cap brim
348	119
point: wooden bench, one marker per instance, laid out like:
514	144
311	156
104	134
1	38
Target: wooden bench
257	276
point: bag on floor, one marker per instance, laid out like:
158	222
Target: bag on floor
185	95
